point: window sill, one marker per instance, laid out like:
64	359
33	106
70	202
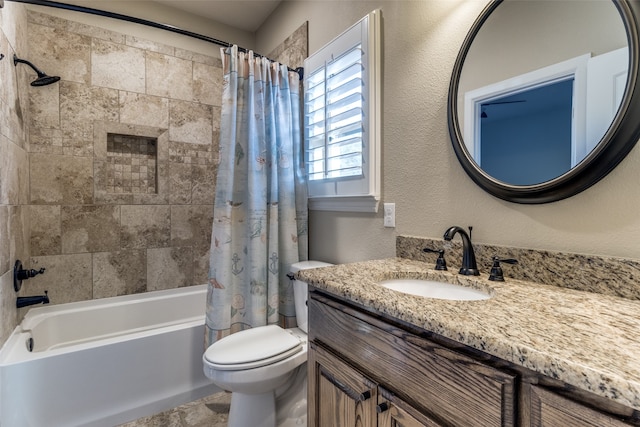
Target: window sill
345	204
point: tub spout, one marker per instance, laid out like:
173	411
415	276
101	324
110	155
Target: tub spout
37	299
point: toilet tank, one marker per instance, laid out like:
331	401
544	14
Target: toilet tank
300	291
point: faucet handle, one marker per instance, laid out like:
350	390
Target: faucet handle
441	263
496	271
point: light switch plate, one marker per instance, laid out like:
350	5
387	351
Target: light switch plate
390	215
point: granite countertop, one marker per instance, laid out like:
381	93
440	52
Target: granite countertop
588	340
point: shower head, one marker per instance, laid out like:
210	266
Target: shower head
42	79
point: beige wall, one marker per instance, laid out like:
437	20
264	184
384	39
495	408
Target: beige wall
421	173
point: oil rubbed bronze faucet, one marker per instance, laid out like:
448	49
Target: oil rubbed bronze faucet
469	266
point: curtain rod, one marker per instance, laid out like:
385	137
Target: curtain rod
92	11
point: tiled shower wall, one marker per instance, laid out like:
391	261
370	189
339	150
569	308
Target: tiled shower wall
96	234
65	203
14	162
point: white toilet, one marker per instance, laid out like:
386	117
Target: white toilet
265	368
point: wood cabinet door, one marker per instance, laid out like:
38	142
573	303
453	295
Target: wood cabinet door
454	388
339	396
394	412
549	409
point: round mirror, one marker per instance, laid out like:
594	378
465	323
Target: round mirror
543	100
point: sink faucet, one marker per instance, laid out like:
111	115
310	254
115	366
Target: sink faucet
469	266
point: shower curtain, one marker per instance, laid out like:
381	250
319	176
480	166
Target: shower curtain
260	207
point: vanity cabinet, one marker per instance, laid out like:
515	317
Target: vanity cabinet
368	370
365	371
344	397
551	409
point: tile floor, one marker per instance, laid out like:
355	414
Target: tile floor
212	411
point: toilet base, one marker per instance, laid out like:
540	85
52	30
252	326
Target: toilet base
257	410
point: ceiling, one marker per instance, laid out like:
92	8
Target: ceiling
246	15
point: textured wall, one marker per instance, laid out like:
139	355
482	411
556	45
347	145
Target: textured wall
420	171
113	218
14	162
107	215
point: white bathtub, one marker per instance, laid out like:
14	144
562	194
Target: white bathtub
105	362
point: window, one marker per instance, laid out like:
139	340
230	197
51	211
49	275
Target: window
342	120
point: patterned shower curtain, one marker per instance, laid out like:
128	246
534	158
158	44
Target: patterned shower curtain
260	207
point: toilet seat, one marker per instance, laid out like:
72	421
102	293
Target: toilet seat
253	348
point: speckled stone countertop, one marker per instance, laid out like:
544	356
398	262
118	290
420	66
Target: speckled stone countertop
584	339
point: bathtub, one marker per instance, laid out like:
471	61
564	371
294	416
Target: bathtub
104	362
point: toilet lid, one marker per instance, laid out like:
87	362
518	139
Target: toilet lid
253	348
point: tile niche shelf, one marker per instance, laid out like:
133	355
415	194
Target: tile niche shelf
130	163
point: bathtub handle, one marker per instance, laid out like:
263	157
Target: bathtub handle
19	274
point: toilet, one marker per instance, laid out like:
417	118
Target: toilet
265	368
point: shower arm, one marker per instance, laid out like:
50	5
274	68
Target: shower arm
17	60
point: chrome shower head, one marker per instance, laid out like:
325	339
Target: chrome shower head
42	79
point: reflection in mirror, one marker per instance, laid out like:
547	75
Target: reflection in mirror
540	86
535	45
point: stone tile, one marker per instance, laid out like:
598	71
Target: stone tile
100	177
169	418
162	185
117	66
169	268
45	141
45	230
67	278
169	77
144	110
80	103
44	106
90	228
75	142
201	264
8	311
217	111
60	52
102	128
145	226
180	183
119	273
5	243
7	71
18	233
13	21
14	173
61	180
191	225
149	45
211	411
190	122
207	84
75	27
203	184
198	57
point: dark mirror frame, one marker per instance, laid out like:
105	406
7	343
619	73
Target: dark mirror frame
617	142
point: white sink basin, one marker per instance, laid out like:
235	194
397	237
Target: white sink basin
437	290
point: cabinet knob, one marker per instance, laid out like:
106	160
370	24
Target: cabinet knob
384	406
366	395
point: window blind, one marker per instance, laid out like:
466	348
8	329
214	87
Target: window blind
334	116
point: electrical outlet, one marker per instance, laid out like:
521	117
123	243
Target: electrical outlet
390	215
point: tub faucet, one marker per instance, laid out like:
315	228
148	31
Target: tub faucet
469	266
37	299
